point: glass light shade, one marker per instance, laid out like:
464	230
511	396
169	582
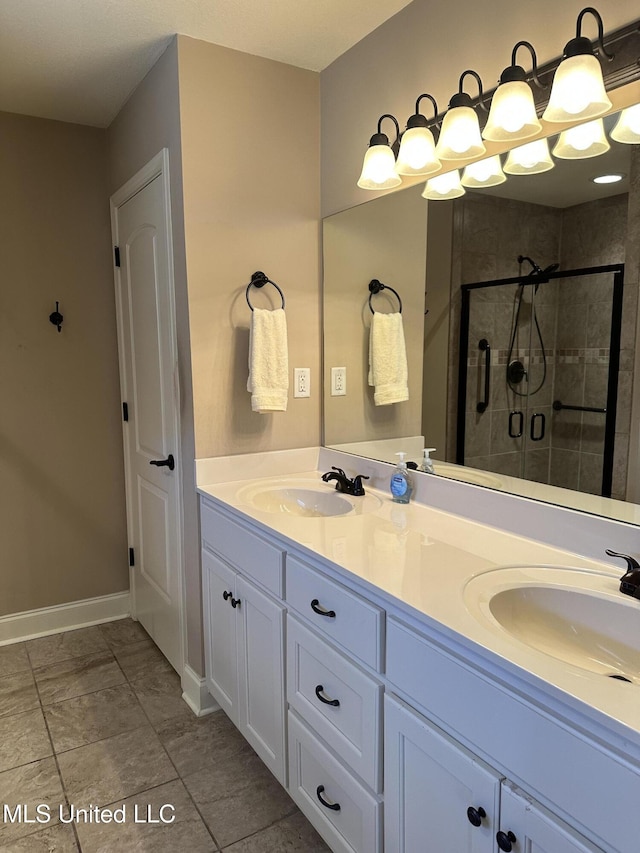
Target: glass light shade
484	173
578	90
582	141
513	113
417	155
529	159
627	127
378	169
444	186
460	135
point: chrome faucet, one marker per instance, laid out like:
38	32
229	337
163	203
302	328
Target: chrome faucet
343	483
630	581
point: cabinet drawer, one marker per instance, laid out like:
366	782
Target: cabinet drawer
315	776
254	556
354	623
317	675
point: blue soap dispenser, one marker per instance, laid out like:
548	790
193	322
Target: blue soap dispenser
401	482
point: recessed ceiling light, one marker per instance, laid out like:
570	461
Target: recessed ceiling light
608	179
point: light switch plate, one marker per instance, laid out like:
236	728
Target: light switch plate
338	381
301	382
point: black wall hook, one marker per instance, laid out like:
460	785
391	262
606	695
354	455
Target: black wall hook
56	318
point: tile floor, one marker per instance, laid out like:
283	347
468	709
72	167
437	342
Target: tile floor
95	717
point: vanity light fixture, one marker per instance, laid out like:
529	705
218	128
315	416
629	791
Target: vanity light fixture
578	90
460	137
627	127
530	159
378	168
484	173
444	187
513	112
608	179
417	155
582	141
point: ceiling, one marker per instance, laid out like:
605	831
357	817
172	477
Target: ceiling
79	60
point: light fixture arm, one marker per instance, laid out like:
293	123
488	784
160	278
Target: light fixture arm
462	98
534	61
381	138
600	23
433	101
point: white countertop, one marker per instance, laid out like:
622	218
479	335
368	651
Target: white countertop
421	559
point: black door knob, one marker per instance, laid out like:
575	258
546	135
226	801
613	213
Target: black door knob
475	815
169	462
505	840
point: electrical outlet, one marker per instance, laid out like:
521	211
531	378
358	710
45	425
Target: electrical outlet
338	381
301	382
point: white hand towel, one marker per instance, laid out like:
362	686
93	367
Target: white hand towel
388	371
268	379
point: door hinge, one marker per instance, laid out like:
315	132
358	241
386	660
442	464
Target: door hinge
116	253
131	557
125	411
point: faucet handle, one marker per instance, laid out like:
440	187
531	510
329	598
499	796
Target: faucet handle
339	470
630	581
358	488
632	563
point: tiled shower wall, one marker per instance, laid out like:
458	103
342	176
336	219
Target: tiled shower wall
489	234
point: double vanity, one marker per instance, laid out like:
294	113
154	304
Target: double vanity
417	679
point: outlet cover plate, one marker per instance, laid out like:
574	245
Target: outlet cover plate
301	382
338	381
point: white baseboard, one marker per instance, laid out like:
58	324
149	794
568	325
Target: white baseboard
196	695
63	617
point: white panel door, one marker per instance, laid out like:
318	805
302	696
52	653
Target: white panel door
430	784
531	828
146	328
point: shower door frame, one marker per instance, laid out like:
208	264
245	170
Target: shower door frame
614	355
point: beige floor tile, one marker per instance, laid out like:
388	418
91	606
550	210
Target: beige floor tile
71	644
117	767
13	658
161	697
140	660
77	676
32	785
18	693
57	839
23	738
195	743
187	834
237	796
122	632
94	716
292	835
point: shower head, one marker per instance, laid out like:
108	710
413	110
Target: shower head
535	269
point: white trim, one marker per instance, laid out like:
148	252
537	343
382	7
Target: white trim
196	695
63	617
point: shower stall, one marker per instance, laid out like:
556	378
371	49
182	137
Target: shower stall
538	375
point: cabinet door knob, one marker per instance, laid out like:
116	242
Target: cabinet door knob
315	606
476	815
334	702
333	806
235	602
505	840
226	595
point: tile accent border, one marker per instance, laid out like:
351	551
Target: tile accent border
63	617
196	695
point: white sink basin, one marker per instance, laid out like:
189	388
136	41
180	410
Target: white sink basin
466	475
575	616
304	498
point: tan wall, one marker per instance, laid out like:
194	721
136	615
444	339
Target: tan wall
387	241
250	147
148	122
425	48
62	508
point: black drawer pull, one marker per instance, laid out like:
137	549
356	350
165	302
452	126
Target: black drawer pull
315	606
235	602
226	595
475	816
334	702
335	807
506	840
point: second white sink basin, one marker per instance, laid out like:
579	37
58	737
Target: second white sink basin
577	617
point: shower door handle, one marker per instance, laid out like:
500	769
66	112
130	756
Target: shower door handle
543	422
483	405
516	433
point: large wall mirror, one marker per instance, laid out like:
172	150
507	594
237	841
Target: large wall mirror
519	310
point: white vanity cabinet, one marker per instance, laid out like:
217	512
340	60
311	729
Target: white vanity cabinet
244	651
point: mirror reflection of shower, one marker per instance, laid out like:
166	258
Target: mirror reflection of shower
516	370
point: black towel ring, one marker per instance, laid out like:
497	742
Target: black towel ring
259	279
376	286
